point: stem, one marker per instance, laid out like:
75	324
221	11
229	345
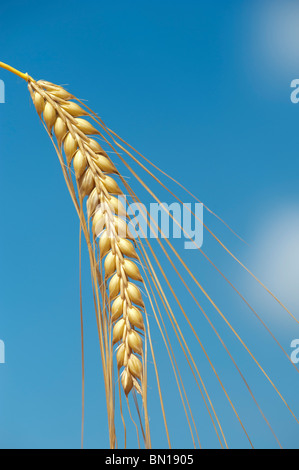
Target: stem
25	76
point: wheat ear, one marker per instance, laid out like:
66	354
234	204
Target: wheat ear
93	168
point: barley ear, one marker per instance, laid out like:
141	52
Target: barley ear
96	182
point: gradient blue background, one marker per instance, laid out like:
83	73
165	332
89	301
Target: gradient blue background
202	89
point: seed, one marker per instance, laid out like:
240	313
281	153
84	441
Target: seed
98	223
87	182
92	202
104	164
135	341
117	207
127	248
39	103
134	294
94	145
79	163
110	264
114	286
111	185
85	126
121	228
49	116
117	308
120	355
105	244
73	109
131	270
55	90
118	330
60	130
135	366
70	147
135	317
126	381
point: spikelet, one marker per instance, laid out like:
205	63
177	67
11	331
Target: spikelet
79	163
70	147
95	176
39	103
60	130
50	115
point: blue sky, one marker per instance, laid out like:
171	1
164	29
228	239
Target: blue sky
203	90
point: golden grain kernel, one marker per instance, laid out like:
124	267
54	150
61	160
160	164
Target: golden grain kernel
116	206
118	330
117	308
59	92
104	244
111	185
135	342
98	215
87	182
110	264
73	109
132	270
114	286
127	248
85	126
92	202
122	228
120	355
104	164
135	366
134	294
60	130
39	102
98	222
126	381
79	163
94	145
49	116
70	146
135	317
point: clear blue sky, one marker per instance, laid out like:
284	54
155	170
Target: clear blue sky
203	89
